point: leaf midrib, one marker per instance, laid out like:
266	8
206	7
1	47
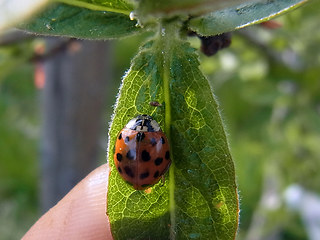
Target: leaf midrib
166	42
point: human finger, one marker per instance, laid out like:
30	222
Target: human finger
81	214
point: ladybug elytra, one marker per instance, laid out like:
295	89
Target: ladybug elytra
142	154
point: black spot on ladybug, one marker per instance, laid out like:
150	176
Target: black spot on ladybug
158	161
127	139
167	156
131	154
153	141
162	140
144	175
120	136
129	171
140	136
156	174
119	169
119	157
145	156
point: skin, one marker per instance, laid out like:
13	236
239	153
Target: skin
80	214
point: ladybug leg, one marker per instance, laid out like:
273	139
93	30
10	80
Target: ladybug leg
162	181
163	174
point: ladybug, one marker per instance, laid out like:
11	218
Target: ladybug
142	154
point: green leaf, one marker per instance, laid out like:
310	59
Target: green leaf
118	6
169	8
14	11
199	198
13	56
70	21
241	16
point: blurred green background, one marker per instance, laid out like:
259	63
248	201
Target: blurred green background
268	86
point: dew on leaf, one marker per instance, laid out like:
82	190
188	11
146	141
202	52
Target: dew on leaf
132	16
163	32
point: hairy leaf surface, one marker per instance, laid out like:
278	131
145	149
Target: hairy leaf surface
241	16
78	22
199	197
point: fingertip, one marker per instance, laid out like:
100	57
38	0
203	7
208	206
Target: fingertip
81	214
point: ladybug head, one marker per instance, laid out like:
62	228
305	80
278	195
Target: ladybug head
143	123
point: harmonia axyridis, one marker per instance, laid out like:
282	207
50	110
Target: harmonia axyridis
142	154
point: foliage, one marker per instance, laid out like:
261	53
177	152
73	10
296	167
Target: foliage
228	19
18	145
63	20
199	196
273	115
187	121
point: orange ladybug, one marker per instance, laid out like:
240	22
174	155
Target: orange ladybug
142	154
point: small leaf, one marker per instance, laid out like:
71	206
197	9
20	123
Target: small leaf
241	16
15	11
70	21
199	197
